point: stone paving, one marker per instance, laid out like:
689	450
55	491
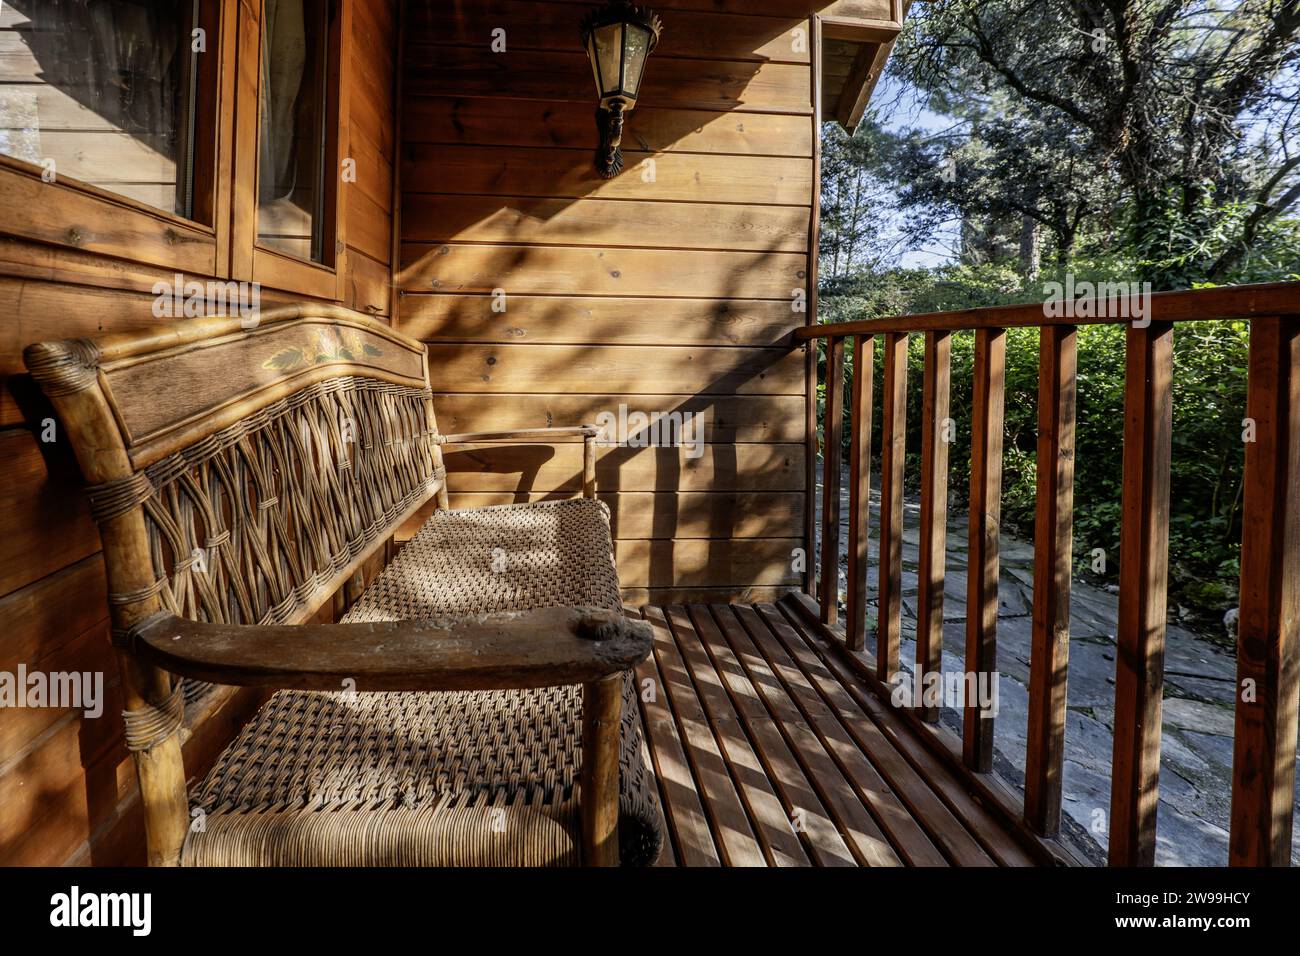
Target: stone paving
1196	742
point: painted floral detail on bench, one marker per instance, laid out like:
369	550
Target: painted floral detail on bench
326	345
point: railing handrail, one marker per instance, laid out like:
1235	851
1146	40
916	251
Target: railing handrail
1265	719
1190	305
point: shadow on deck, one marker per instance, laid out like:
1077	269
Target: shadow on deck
772	746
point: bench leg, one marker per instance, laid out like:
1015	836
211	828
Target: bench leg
602	719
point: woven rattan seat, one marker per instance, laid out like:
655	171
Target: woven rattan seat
442	778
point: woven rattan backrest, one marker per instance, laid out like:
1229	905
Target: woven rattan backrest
240	474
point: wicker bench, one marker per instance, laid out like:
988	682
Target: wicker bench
474	706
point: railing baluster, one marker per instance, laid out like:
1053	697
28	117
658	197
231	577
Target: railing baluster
934	510
859	490
985	525
893	445
1268	649
1053	538
833	429
1144	563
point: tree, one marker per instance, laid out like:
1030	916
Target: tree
1191	105
1001	171
852	197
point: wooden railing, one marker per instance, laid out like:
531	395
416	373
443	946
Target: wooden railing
1268	641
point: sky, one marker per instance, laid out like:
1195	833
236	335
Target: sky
897	107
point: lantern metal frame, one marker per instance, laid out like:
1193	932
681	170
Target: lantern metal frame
616	98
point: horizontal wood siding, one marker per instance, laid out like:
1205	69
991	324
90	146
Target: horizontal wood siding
67	787
666	289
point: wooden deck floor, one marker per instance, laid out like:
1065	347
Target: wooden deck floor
770	750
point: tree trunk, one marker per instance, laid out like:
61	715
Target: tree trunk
1030	248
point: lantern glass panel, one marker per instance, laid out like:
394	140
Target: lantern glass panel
609	52
637	45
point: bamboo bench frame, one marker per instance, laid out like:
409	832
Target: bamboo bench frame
140	408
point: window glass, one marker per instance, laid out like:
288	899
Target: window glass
292	140
104	93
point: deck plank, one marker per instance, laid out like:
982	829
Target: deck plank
758	724
730	826
767	659
857	825
911	783
769	814
690	841
978	821
805	810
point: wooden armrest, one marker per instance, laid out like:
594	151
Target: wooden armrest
526	434
539	648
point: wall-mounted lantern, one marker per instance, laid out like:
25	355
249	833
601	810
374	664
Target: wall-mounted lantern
618	37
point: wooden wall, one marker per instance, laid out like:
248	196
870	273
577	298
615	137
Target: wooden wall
667	292
67	787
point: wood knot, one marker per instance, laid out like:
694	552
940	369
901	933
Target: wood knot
600	625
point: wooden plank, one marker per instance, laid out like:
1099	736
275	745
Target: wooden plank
831	456
669	514
726	419
893	454
549	173
1144	564
552	27
370	226
368	284
683	370
797	9
728	820
1268	648
719	594
583	320
551	270
525	468
985	527
851	102
90	652
936	435
759	770
521	220
934	799
701	562
1053	561
650	127
855	612
986	806
866	810
44	616
45	522
375	169
1197	305
682	83
825	809
102	224
688	839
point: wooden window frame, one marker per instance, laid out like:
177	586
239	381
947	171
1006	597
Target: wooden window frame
249	259
77	215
